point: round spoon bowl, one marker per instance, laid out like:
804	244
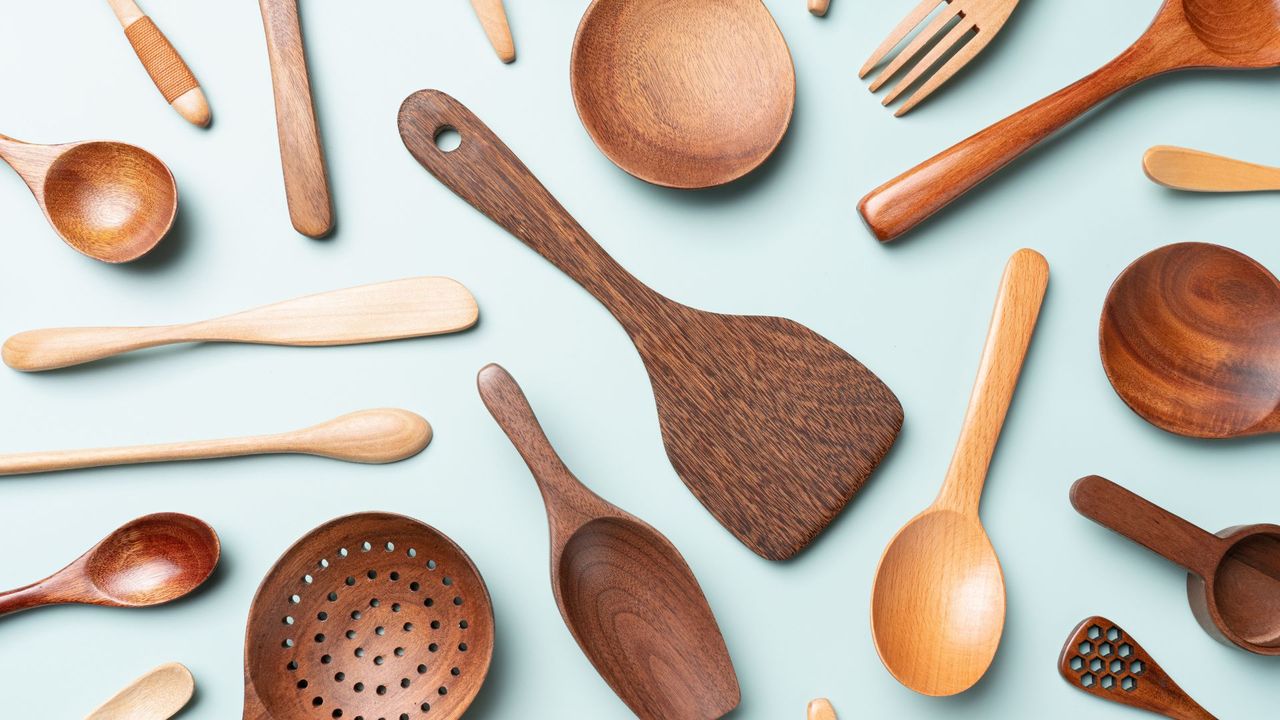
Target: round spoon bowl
1245	596
1237	28
153	560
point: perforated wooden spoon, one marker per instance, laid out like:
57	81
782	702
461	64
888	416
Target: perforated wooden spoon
108	200
158	695
624	590
1186	169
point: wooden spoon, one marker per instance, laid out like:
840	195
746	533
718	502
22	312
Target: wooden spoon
163	63
938	605
821	709
413	307
370	436
493	17
624	590
683	94
771	426
158	695
108	200
1185	34
1234	580
1186	169
152	560
1190	339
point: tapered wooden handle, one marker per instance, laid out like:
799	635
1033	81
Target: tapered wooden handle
39	350
821	709
170	73
819	8
158	695
493	17
1186	169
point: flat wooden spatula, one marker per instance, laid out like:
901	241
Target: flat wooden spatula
771	426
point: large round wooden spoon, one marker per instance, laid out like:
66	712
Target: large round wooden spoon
158	695
108	200
152	560
624	590
937	608
1190	339
683	94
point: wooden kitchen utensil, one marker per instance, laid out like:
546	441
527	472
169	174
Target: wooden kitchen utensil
976	23
819	7
108	200
413	307
938	604
371	615
683	94
821	709
1190	339
1185	34
371	436
148	561
667	660
493	17
163	63
1103	660
158	695
1234	579
770	425
1186	169
306	182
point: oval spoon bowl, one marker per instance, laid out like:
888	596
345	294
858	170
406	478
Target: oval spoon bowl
152	560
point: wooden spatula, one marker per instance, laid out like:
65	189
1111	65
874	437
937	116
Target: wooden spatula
771	426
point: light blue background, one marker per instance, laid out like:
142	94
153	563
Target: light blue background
785	241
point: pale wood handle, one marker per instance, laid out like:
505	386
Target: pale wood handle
821	709
1186	169
157	695
493	17
819	8
40	350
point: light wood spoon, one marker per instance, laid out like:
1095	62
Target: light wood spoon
821	709
938	605
1186	169
108	200
163	63
158	695
385	435
413	307
493	17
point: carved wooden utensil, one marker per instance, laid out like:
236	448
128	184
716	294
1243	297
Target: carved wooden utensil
624	590
163	63
158	695
819	7
1185	34
493	17
1234	579
1186	169
1103	660
108	200
1190	339
770	425
821	709
938	604
148	561
371	615
683	94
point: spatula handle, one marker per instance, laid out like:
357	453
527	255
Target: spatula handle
1186	169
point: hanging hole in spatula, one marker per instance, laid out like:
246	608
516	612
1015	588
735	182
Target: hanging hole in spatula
447	138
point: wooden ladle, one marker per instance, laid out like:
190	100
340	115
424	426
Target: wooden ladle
1185	34
158	695
1234	579
111	201
152	560
1190	339
624	590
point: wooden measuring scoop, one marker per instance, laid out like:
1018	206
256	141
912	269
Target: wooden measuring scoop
1234	583
624	590
769	424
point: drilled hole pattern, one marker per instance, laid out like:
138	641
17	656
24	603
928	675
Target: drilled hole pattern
1102	659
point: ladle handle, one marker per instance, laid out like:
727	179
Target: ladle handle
1147	524
1186	169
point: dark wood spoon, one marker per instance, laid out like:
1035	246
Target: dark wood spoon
1190	339
1228	34
771	426
624	590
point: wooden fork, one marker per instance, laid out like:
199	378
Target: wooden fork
977	20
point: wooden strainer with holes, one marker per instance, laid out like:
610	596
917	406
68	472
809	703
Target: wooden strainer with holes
368	617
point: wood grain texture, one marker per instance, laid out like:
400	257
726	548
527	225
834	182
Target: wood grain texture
369	615
771	426
413	307
1190	340
821	709
1234	585
938	603
110	201
152	560
683	94
1185	34
1186	169
170	73
493	18
625	592
158	695
306	181
1103	660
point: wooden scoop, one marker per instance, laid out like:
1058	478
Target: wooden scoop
148	561
108	200
414	307
1186	169
1234	583
770	425
938	604
158	695
624	590
1190	339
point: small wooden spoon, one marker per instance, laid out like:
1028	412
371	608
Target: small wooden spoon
937	608
821	709
624	590
108	200
1190	339
152	560
1186	169
158	695
493	17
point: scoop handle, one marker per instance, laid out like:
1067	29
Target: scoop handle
1186	169
493	17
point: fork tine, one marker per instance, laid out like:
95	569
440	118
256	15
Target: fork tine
917	44
915	18
953	37
957	61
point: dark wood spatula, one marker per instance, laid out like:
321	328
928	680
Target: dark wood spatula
771	426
